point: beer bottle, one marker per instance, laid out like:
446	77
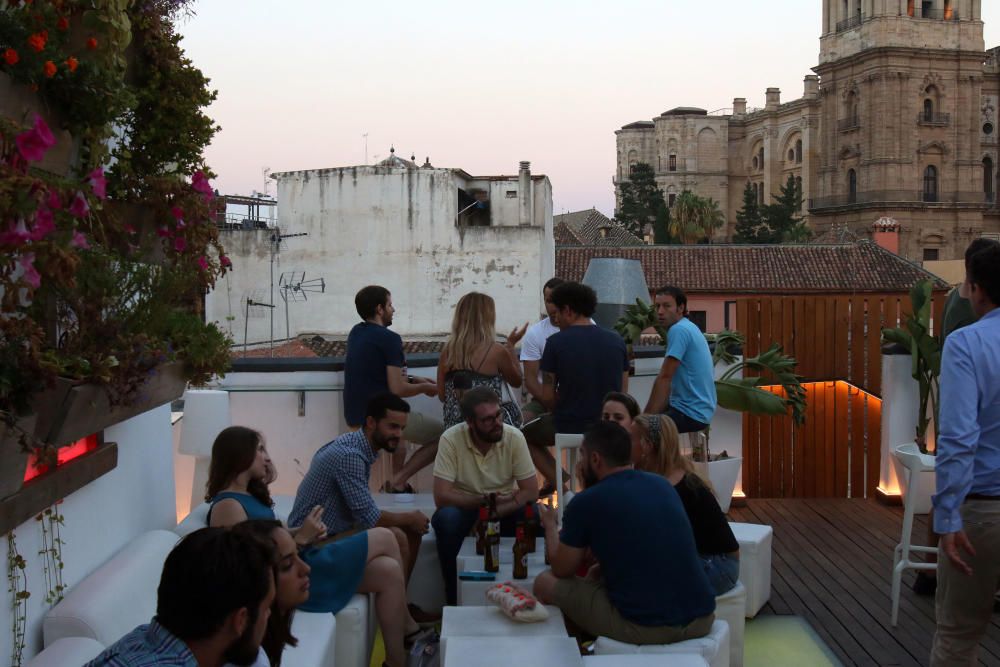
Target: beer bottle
481	531
491	559
530	527
520	554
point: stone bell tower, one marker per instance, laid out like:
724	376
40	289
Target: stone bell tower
901	86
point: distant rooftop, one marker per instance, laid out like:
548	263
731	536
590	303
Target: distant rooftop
748	269
584	228
685	111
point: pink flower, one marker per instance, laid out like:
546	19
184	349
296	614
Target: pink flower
129	229
53	201
34	143
79	207
30	275
177	212
163	232
44	224
203	263
98	182
79	240
16	234
200	184
180	244
225	261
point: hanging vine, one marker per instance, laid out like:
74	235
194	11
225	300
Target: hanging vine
51	552
17	586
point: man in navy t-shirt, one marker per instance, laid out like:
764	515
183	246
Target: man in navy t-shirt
649	586
374	365
581	363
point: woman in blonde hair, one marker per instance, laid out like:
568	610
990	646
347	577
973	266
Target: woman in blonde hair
473	358
656	449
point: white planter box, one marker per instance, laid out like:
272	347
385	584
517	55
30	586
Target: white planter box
723	475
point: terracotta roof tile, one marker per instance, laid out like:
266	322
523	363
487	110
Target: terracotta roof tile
586	226
321	347
850	267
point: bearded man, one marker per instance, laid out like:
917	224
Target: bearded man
338	478
474	459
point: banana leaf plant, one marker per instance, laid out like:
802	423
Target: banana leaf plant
925	353
636	319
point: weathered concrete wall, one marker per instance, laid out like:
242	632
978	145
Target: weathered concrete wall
394	227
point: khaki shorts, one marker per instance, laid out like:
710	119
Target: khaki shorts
587	605
541	431
420	429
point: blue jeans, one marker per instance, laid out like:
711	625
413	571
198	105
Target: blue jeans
723	572
451	526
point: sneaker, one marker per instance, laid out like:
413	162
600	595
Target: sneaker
925	584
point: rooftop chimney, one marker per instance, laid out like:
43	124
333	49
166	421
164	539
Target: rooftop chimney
773	99
810	86
524	193
885	232
739	106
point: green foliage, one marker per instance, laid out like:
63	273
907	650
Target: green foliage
661	227
925	353
745	395
642	201
749	223
636	319
694	218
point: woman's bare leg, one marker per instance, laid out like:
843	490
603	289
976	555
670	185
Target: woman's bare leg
384	577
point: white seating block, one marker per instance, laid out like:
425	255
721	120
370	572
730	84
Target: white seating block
713	647
755	563
731	608
636	660
67	651
493	651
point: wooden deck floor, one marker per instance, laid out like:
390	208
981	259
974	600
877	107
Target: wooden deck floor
831	563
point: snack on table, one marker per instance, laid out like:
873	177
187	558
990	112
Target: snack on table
517	603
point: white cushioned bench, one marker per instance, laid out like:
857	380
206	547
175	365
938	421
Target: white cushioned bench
66	652
713	647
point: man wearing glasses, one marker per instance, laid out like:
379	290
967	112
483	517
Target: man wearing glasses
474	459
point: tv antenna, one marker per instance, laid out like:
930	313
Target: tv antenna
293	286
276	239
256	307
365	137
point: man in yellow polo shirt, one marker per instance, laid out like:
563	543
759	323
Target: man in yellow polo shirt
478	457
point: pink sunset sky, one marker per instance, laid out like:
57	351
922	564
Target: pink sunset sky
481	86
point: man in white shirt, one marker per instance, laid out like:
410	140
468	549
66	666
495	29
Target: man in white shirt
532	347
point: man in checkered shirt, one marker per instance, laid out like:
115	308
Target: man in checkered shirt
338	480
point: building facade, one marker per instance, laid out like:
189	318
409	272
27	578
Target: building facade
899	120
427	234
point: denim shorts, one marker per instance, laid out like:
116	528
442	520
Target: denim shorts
723	572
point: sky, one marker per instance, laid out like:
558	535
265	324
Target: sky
481	86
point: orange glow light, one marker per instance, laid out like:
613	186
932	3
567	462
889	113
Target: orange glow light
65	454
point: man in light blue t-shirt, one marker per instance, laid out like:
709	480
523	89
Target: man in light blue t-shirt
685	386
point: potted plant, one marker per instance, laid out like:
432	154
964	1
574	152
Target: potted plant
925	355
100	316
636	319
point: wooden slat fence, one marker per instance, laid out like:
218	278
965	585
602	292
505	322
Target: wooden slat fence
837	342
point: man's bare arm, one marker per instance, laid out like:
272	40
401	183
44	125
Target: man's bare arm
661	386
548	396
531	378
447	495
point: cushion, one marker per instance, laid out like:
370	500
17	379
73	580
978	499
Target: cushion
317	634
198	518
67	651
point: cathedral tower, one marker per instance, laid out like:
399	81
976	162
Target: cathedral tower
901	92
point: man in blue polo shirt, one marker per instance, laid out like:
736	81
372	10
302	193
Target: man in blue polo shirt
375	364
685	387
650	586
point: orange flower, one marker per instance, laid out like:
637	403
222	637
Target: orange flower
91	43
63	23
72	63
50	69
37	41
10	57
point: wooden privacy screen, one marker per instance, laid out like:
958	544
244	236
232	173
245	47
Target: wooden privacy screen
837	342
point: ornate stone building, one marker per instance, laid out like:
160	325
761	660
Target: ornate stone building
899	120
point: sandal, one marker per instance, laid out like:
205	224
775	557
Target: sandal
410	639
388	488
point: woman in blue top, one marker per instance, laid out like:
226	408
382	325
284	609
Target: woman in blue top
368	562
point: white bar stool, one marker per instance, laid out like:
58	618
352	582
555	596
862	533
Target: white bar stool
913	462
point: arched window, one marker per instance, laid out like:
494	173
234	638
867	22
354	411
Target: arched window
930	184
909	7
760	193
852	186
791	154
988	179
798	151
928	109
949	12
760	157
798	190
673	162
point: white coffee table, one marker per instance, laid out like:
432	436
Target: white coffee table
474	561
474	592
495	651
490	621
